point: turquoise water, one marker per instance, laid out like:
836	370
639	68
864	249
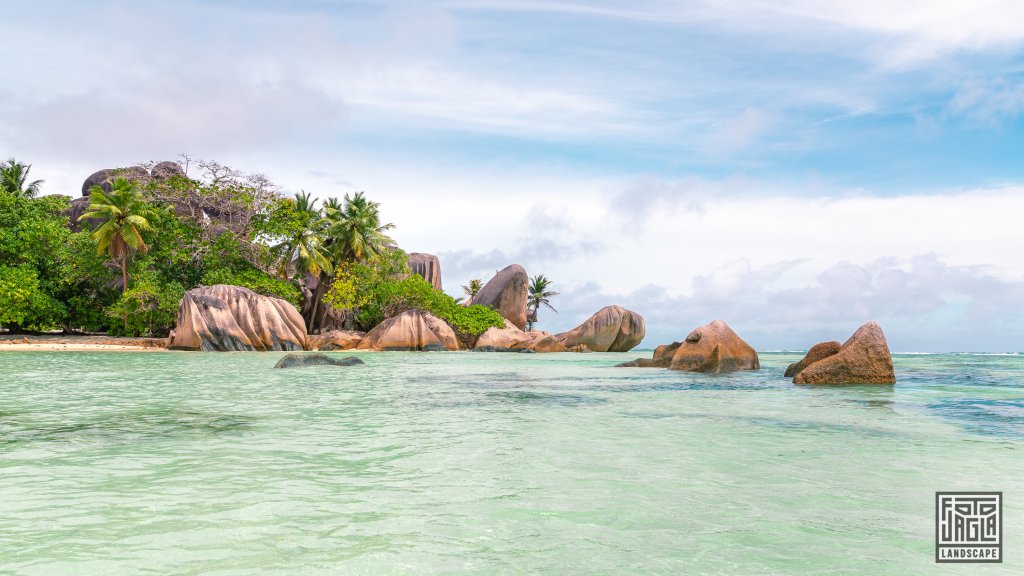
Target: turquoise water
464	463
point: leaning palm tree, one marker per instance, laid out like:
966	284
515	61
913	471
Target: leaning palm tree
472	288
124	216
14	179
304	247
539	295
353	234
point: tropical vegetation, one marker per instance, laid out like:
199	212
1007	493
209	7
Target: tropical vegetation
124	263
538	296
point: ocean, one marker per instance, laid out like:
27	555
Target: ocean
471	463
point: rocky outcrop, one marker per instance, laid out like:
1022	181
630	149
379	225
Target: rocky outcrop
231	318
863	359
507	293
76	208
611	329
165	170
411	330
817	352
427	266
335	340
294	360
581	348
104	177
714	348
512	339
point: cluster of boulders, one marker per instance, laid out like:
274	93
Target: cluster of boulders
227	318
714	348
103	178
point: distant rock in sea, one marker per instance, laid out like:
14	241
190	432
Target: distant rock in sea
610	329
863	359
507	293
512	339
295	360
226	318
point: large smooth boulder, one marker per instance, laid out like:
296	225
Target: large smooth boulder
817	352
335	340
295	360
507	293
501	339
411	330
427	266
611	329
863	359
714	348
231	318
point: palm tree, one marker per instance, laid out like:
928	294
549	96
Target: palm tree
539	295
124	215
353	234
472	288
13	179
304	246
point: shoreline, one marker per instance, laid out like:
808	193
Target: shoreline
85	343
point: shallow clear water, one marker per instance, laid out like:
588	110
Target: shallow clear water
463	463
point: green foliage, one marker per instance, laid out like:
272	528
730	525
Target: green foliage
256	280
148	308
24	303
390	298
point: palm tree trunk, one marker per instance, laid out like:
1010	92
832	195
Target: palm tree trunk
124	271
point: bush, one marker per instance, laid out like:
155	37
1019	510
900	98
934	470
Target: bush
391	298
24	304
147	308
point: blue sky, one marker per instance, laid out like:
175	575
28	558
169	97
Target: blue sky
793	167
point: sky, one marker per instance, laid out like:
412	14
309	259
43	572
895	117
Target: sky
793	167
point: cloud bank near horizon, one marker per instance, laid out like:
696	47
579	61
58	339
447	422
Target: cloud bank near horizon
792	167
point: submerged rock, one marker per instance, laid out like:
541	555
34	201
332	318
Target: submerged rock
426	265
863	359
294	360
335	340
817	352
411	330
714	348
231	318
507	293
610	329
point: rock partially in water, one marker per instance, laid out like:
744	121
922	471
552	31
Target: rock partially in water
662	358
507	293
294	360
335	340
610	329
863	359
224	318
817	352
411	330
714	348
